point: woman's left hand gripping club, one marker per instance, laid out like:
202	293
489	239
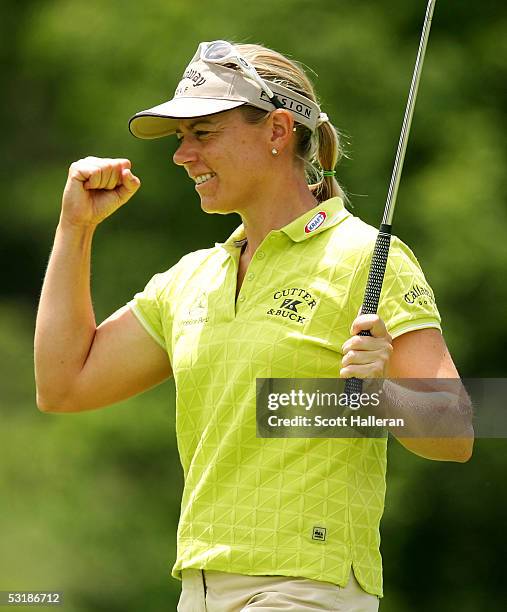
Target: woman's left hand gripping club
367	356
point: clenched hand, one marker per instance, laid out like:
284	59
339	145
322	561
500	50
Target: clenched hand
96	187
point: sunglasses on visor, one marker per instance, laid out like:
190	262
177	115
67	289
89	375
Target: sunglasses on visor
222	52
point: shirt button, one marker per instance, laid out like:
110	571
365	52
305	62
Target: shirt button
261	255
251	276
242	298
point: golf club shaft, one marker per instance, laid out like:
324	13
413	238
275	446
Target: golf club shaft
382	244
407	121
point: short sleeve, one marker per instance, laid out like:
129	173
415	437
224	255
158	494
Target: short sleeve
146	306
407	301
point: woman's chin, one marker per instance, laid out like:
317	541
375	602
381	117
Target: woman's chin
213	207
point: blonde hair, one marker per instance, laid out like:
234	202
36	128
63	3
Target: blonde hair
319	150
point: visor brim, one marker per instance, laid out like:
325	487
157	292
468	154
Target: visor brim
162	120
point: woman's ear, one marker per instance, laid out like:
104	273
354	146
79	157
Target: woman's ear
282	124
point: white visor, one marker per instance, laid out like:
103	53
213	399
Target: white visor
206	89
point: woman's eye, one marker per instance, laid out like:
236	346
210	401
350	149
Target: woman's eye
197	134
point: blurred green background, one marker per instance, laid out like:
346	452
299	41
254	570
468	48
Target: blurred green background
90	502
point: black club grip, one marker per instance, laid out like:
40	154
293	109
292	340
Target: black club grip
373	290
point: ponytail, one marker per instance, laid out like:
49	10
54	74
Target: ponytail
329	153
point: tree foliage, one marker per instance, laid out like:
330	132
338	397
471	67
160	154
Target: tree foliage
90	501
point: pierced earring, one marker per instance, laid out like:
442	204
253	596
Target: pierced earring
274	151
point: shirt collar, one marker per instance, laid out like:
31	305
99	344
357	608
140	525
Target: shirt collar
315	221
235	241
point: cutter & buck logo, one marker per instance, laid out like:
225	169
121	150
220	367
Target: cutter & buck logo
292	304
315	222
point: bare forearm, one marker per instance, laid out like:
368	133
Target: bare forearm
66	329
437	422
65	325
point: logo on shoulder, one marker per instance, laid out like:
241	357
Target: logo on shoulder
315	222
419	295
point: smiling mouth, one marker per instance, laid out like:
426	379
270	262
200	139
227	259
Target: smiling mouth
204	178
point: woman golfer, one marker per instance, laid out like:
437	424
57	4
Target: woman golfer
265	524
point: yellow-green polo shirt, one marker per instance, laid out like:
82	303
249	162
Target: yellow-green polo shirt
250	505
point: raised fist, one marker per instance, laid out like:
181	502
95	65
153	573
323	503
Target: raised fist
96	187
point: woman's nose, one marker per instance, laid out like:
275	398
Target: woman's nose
185	153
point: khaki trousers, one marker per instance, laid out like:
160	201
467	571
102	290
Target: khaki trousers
212	591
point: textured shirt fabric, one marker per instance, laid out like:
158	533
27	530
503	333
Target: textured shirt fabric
250	504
